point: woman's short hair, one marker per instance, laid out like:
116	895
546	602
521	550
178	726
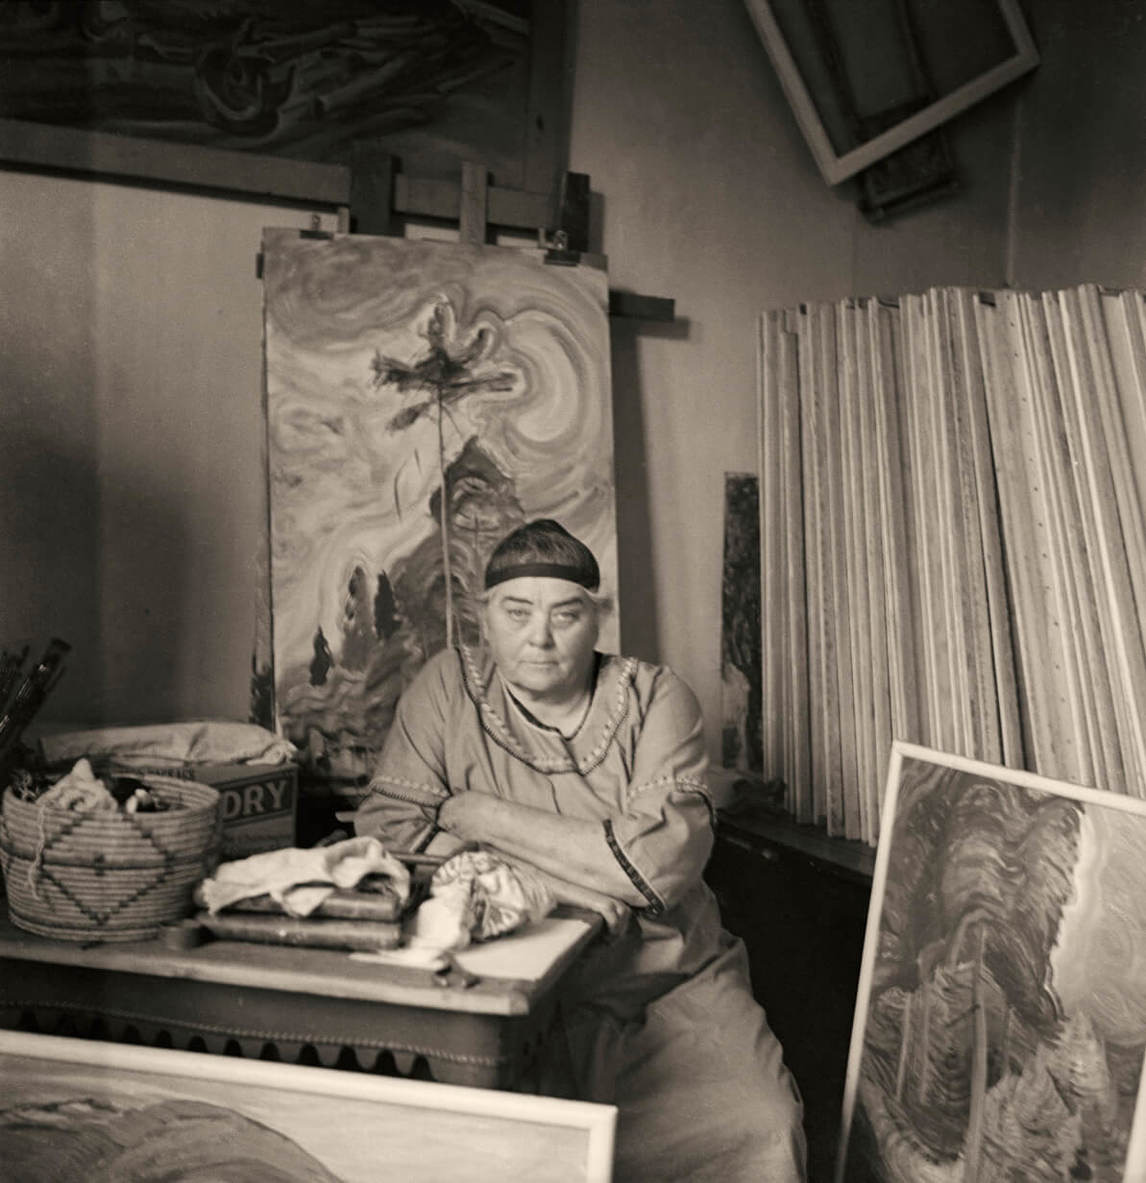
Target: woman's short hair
542	548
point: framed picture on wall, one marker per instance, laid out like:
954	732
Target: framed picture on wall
1000	1025
864	80
274	99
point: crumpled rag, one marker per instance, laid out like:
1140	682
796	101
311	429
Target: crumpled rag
299	880
476	896
80	791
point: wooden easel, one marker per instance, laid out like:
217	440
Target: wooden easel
380	195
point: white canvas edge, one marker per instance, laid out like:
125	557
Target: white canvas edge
598	1121
901	750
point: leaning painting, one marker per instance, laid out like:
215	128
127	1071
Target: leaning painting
396	369
77	1109
1001	1019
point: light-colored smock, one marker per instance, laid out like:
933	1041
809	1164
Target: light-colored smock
660	1022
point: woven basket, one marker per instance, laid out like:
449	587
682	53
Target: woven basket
106	875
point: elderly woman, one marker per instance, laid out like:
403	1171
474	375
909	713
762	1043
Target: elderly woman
591	769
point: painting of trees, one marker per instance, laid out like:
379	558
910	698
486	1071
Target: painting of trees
987	1043
422	399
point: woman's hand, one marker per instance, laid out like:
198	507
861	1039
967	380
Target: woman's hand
614	912
467	816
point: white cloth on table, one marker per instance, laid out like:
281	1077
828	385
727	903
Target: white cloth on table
299	880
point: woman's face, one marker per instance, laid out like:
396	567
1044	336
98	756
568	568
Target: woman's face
542	633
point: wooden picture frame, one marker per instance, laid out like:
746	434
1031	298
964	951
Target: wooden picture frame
1005	936
92	1106
222	172
838	161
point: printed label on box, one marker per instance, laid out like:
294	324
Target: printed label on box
243	803
258	812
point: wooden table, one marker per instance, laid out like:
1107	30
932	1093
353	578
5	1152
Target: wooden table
273	1002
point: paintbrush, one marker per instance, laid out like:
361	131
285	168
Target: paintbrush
30	694
10	666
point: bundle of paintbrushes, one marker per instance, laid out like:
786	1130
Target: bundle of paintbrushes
23	694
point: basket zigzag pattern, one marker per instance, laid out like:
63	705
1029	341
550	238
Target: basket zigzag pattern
107	874
99	916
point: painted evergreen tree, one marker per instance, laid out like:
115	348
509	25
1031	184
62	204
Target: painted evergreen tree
451	369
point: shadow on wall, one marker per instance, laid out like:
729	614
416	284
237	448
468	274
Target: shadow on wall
49	563
148	608
636	592
636	589
99	559
635	559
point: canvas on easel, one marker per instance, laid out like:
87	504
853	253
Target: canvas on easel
1000	1025
398	370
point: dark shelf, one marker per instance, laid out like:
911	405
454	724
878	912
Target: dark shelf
754	827
799	900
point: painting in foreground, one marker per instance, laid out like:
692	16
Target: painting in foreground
1001	1019
75	1109
396	369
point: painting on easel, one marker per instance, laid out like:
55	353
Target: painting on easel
1000	1024
397	370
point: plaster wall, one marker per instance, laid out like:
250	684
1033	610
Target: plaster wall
1080	163
130	442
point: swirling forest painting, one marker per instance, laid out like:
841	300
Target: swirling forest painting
1001	1025
423	399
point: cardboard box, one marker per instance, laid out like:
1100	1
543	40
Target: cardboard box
259	805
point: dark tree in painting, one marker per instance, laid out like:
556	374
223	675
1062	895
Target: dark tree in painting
358	623
262	696
481	507
742	739
323	659
385	622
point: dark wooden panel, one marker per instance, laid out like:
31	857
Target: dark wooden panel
429	197
103	154
803	922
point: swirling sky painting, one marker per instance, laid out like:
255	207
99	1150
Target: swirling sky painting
422	398
1001	1022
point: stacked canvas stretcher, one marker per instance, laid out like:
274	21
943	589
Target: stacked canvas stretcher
953	540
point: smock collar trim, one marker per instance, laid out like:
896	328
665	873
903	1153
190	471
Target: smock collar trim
580	754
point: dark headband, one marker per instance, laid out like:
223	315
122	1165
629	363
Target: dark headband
569	571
